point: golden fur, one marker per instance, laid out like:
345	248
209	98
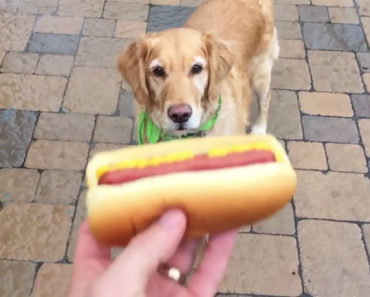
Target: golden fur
235	42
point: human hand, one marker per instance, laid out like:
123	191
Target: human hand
135	272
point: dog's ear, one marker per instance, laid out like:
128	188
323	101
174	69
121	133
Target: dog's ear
220	62
132	68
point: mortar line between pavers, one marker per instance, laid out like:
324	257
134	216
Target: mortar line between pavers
2	62
332	220
306	52
244	295
82	187
32	138
266	233
57	10
61	109
39	171
102	11
361	143
356	58
301	118
300	266
360	21
367	251
37	16
37	268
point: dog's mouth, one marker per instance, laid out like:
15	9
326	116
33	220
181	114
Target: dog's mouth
181	127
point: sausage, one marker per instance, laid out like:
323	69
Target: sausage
198	163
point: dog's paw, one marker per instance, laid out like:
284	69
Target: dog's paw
259	129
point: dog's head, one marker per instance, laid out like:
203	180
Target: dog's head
176	75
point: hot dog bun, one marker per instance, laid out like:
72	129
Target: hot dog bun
213	200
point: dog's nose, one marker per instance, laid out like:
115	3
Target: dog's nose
180	113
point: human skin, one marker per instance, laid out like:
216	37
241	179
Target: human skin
135	271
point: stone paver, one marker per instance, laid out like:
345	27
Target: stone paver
18	184
365	135
363	7
60	155
15	30
366	78
286	12
255	263
343	15
15	62
337	196
361	104
58	25
52	280
165	17
16	278
335	72
62	100
113	130
53	44
313	14
15	135
99	51
366	26
130	29
92	91
73	127
325	271
281	223
91	8
99	27
101	147
80	216
292	49
307	155
341	37
340	3
330	129
37	6
34	231
289	30
346	157
126	11
286	108
30	92
58	65
366	232
126	104
59	187
291	74
326	104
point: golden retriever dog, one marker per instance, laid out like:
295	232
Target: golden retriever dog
199	80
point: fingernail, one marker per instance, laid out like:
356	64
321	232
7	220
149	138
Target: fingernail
172	218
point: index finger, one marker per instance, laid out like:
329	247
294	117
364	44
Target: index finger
211	270
91	259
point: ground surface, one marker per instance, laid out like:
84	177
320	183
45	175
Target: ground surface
61	100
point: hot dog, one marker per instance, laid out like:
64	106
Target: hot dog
220	183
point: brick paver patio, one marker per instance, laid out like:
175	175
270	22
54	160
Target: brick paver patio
62	100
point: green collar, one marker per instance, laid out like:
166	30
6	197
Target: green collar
154	133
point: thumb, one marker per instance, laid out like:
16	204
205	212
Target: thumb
146	251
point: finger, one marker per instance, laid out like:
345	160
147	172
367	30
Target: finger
90	260
145	252
87	248
211	270
184	257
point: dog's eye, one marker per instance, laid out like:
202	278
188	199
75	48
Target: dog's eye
196	69
159	71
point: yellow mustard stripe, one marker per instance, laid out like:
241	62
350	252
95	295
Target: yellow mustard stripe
186	155
142	163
